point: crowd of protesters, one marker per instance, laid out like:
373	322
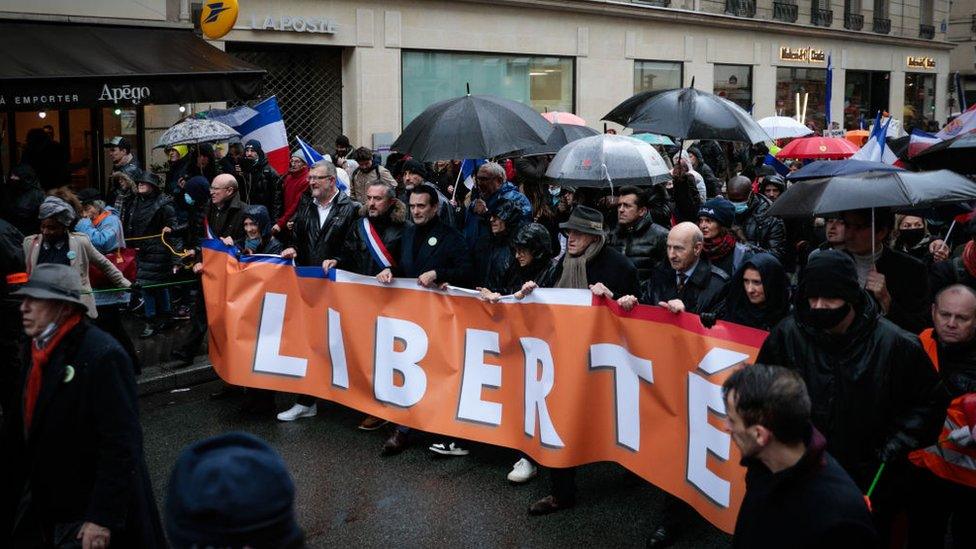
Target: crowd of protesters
873	314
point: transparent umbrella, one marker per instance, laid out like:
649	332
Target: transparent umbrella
607	160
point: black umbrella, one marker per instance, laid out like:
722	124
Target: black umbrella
957	154
901	190
686	113
472	126
560	136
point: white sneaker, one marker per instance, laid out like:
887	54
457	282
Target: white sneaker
523	471
448	449
298	411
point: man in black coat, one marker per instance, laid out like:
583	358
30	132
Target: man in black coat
260	184
637	236
688	283
752	216
897	281
385	215
225	213
72	455
874	391
796	493
436	255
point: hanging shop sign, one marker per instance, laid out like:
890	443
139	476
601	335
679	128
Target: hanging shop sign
914	62
802	55
294	23
218	17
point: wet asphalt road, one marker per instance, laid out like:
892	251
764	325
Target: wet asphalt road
350	496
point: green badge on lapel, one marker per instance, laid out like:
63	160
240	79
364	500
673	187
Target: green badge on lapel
432	241
69	373
71	255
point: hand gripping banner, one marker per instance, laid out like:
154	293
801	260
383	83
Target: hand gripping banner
565	378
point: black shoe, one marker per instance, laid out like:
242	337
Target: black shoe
395	444
661	537
550	504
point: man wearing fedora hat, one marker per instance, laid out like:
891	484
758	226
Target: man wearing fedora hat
588	263
72	464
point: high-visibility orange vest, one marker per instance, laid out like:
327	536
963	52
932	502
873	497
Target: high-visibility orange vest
945	458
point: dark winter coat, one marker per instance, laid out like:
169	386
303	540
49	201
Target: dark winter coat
704	291
21	200
907	280
870	387
477	225
438	247
356	257
608	266
644	243
687	201
147	215
314	242
269	244
776	286
761	229
11	256
83	456
260	185
946	273
229	220
493	257
813	504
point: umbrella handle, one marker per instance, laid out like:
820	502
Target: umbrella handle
606	173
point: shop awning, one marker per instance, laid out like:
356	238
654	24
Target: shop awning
49	66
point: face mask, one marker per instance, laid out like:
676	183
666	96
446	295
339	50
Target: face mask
188	199
825	319
741	207
911	237
554	191
252	243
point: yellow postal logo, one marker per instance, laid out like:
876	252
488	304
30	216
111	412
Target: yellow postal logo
218	18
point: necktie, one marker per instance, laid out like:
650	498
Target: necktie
682	278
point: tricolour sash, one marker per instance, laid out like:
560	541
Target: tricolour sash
375	244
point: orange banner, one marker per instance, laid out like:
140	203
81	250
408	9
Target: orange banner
560	376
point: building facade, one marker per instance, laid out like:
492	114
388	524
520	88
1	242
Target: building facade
367	67
962	60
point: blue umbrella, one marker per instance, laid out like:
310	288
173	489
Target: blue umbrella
653	139
830	168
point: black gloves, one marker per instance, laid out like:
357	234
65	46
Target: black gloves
708	319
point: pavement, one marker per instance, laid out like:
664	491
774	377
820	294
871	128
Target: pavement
348	495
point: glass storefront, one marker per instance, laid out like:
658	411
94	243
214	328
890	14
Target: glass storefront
865	93
734	82
657	75
545	83
810	84
919	100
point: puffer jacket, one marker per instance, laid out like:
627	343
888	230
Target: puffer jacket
762	229
356	256
644	243
315	242
146	216
260	185
871	388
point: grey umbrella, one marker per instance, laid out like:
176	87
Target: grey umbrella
560	136
196	130
472	126
687	113
607	160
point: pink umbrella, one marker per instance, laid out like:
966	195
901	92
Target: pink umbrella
557	117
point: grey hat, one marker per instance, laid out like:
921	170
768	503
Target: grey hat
56	207
585	220
54	281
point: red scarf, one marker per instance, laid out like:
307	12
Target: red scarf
969	258
40	358
718	247
99	218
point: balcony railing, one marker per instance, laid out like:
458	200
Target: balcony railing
655	3
741	8
853	21
882	26
785	11
926	31
822	18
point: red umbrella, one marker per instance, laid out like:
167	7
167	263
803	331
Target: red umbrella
558	117
827	148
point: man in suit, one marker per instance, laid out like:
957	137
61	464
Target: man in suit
72	460
436	255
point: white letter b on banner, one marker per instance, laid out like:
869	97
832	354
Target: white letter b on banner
388	360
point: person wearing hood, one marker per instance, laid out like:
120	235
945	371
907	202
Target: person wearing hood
294	184
491	187
752	215
912	237
720	247
875	394
759	294
20	199
258	237
532	253
259	183
493	255
773	186
152	214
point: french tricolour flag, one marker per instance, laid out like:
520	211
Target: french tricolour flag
262	122
876	148
919	141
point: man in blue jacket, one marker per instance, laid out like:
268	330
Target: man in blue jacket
490	189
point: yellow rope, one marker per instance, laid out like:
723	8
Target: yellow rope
162	238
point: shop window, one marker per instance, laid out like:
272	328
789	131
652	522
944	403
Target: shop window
734	82
919	101
865	93
657	75
545	83
811	84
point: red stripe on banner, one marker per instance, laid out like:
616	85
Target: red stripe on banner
278	159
